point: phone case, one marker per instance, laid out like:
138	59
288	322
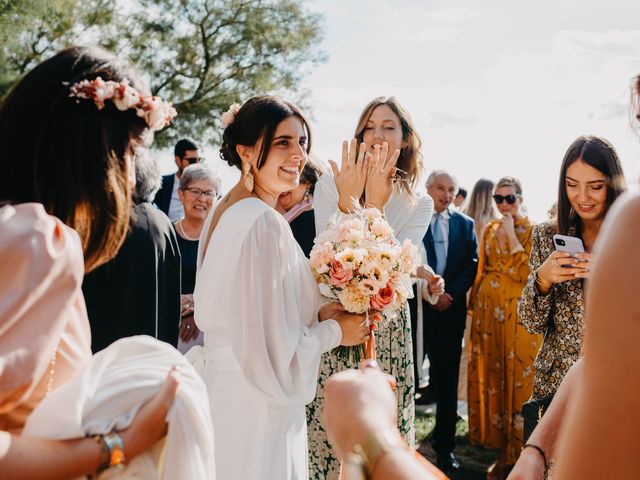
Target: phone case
565	243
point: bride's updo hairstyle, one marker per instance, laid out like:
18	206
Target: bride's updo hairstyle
256	122
68	153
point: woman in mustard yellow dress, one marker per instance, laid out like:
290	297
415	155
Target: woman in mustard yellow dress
502	351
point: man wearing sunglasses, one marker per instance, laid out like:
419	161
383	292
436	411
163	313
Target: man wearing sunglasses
167	199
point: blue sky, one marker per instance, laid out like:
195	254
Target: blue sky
495	87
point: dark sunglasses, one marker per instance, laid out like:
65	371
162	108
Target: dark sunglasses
510	199
193	160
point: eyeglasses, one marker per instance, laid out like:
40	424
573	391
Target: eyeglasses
196	193
193	160
510	199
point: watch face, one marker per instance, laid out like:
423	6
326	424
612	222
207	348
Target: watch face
354	467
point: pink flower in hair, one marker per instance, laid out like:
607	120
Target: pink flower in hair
156	112
126	97
229	116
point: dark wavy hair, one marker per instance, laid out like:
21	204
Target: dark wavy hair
67	154
257	121
599	154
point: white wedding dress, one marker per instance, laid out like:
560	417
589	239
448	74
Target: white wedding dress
257	302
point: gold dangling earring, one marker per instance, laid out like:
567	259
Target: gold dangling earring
248	178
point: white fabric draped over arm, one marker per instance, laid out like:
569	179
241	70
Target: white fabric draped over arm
273	328
107	395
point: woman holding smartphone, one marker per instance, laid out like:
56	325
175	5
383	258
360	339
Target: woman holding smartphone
591	179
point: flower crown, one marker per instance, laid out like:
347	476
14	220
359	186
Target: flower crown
156	112
229	116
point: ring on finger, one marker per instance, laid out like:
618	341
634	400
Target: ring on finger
554	263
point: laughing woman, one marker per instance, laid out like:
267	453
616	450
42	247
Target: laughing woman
384	126
199	187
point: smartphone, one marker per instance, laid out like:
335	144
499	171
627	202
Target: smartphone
564	243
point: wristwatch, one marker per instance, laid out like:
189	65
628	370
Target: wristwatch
111	452
361	461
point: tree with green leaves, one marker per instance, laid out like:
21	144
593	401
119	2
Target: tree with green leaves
201	54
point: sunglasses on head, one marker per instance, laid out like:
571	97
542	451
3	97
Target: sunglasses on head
510	199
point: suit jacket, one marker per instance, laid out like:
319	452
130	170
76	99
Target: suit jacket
138	291
163	197
462	257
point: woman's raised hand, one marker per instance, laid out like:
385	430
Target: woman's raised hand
351	177
381	171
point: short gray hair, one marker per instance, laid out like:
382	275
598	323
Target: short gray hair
148	177
436	173
200	171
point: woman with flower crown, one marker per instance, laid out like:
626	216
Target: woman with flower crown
68	130
385	128
258	304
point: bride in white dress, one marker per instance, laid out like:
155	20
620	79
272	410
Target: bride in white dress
258	304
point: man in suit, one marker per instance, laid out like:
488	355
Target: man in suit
452	251
186	153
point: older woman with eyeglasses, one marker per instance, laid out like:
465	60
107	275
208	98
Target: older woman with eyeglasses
199	187
500	371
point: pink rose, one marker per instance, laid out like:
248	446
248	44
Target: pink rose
383	298
339	275
229	116
126	98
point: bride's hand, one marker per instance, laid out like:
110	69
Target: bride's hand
329	310
354	330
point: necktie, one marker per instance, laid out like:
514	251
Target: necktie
439	246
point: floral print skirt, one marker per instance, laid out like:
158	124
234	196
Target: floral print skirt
500	372
394	352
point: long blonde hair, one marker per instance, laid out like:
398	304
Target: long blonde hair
481	207
410	164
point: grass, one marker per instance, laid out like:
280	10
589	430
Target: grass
474	460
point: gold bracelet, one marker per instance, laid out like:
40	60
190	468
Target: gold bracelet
365	456
540	282
104	453
111	451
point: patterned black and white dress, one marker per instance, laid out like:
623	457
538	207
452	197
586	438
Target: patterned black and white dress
409	217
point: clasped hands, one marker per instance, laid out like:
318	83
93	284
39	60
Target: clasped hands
364	172
188	329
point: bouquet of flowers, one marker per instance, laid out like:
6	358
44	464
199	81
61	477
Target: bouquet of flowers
360	263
